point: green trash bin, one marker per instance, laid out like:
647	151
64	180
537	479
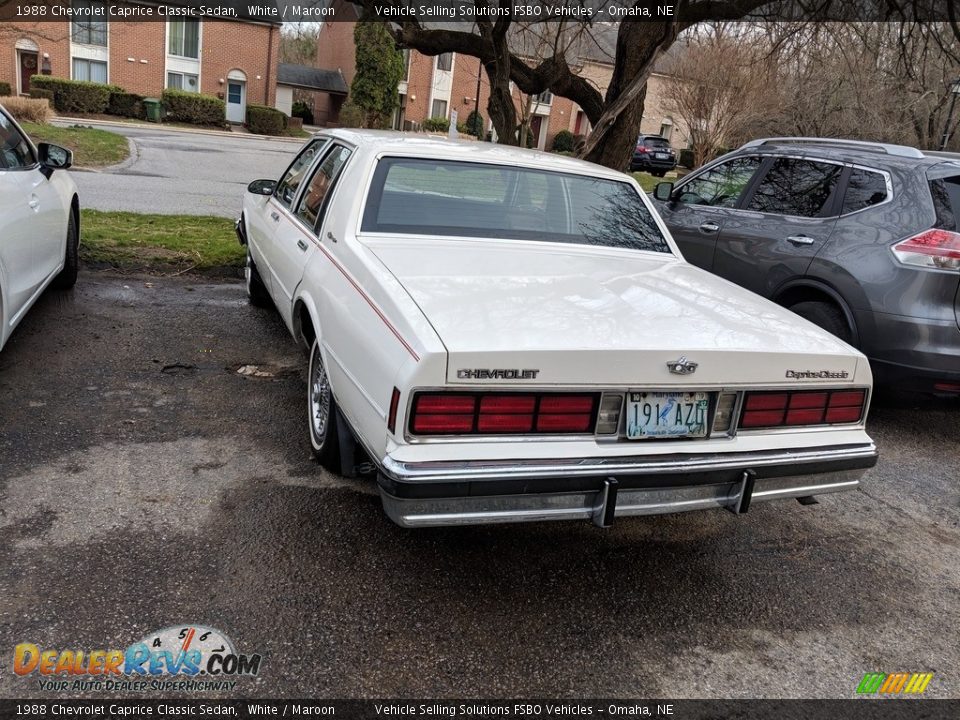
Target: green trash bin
152	107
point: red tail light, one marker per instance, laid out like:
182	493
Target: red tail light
934	249
796	409
641	148
502	413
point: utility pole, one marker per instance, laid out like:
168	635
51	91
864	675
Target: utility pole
954	91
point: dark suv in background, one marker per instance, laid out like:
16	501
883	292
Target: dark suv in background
862	239
654	155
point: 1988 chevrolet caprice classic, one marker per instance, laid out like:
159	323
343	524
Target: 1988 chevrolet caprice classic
515	336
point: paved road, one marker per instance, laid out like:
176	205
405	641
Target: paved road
180	172
145	483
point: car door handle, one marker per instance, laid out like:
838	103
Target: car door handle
801	240
275	216
331	237
34	202
709	227
302	244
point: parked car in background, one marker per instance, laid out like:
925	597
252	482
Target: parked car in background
512	336
39	222
860	238
654	155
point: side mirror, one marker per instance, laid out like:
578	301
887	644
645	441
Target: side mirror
54	157
663	191
262	187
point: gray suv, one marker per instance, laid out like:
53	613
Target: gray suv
862	239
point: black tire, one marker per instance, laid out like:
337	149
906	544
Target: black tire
256	290
67	277
826	315
322	413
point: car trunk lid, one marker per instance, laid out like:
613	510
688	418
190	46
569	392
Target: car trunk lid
522	313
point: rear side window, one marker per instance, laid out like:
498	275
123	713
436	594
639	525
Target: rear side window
479	200
656	142
801	188
864	188
292	179
946	202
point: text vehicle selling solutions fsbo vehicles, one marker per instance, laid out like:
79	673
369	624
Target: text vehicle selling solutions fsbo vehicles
514	336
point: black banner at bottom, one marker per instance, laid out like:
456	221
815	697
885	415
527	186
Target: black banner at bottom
859	709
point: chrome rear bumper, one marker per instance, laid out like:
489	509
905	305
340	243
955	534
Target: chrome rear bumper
599	490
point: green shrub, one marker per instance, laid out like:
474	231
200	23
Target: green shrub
686	158
42	94
436	124
563	142
5	89
194	108
303	111
125	104
463	128
263	120
475	124
351	116
75	96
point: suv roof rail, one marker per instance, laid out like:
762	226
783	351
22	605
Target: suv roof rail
900	150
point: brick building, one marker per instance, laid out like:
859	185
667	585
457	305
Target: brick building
235	60
436	86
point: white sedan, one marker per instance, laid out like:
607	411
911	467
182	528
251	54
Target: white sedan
511	336
39	222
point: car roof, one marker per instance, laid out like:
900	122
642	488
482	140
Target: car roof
880	155
439	146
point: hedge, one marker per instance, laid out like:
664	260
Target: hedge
302	110
263	120
125	104
5	89
75	95
436	124
194	108
563	141
41	94
29	109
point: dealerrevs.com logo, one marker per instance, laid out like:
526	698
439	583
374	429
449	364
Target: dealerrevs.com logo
183	657
817	374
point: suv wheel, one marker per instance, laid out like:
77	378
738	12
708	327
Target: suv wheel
826	315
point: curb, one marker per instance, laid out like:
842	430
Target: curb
169	128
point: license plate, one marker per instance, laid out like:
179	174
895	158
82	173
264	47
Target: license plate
661	156
666	415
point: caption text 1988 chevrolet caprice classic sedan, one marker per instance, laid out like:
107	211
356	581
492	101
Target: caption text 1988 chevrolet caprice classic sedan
512	336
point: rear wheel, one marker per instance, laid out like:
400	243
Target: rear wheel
256	290
67	277
826	315
322	413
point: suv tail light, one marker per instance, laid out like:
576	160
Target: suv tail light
801	408
641	148
934	248
440	413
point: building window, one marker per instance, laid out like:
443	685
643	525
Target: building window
183	81
184	38
445	62
544	98
86	30
406	64
89	70
439	109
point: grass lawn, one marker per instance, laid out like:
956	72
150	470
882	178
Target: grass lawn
91	147
647	181
159	242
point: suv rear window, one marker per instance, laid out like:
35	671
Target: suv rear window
657	142
800	188
946	201
462	199
864	188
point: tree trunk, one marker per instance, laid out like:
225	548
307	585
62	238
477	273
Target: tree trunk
500	106
614	136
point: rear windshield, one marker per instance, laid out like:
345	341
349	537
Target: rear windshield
461	199
946	201
654	142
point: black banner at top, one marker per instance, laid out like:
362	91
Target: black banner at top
469	11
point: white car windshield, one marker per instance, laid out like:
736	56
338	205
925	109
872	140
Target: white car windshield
464	199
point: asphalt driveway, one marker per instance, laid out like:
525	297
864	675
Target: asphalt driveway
145	482
176	172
